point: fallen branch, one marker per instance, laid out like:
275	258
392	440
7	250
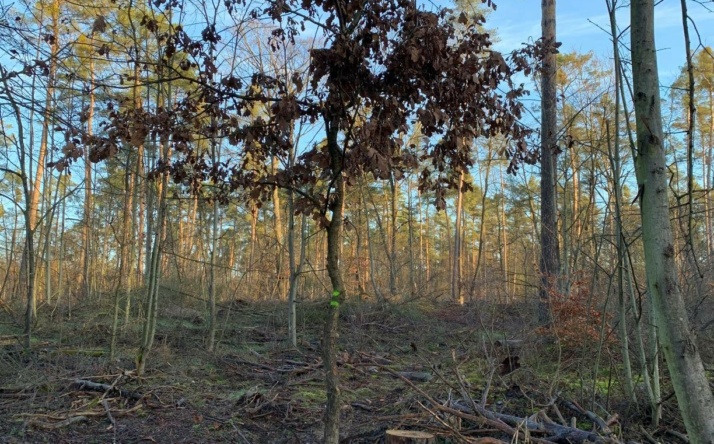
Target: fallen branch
677	435
500	425
34	417
506	423
590	415
454	429
554	430
57	425
105	403
83	384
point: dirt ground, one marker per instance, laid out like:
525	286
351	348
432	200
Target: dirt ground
399	367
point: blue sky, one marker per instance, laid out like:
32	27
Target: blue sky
579	24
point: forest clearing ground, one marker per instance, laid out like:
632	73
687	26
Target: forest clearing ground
256	389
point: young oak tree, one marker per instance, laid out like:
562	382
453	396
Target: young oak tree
384	66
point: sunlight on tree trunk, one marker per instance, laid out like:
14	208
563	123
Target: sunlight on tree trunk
691	385
456	294
549	261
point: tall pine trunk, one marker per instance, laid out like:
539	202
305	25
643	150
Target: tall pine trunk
549	258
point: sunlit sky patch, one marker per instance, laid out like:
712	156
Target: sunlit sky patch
583	25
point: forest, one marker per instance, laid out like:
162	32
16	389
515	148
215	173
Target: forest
352	221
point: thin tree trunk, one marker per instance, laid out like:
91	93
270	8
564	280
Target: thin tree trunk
29	252
422	268
215	157
427	253
456	294
278	226
708	204
482	227
651	380
692	117
88	203
295	270
334	246
253	240
614	156
370	250
393	237
153	271
47	118
123	263
138	211
31	307
153	275
504	235
60	256
53	204
689	379
410	224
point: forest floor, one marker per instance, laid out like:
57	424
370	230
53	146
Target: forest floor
399	367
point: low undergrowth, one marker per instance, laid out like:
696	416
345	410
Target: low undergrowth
401	365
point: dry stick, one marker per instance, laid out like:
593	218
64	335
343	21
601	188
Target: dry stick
105	403
560	415
444	423
112	387
590	415
462	386
86	413
487	389
648	437
57	425
678	435
453	430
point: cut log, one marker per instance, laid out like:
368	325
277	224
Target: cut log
408	437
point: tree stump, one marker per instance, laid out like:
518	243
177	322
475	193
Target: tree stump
408	437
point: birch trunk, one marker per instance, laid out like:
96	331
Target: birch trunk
678	344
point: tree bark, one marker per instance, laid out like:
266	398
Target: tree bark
456	294
370	250
87	229
279	241
678	344
393	188
334	247
549	258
